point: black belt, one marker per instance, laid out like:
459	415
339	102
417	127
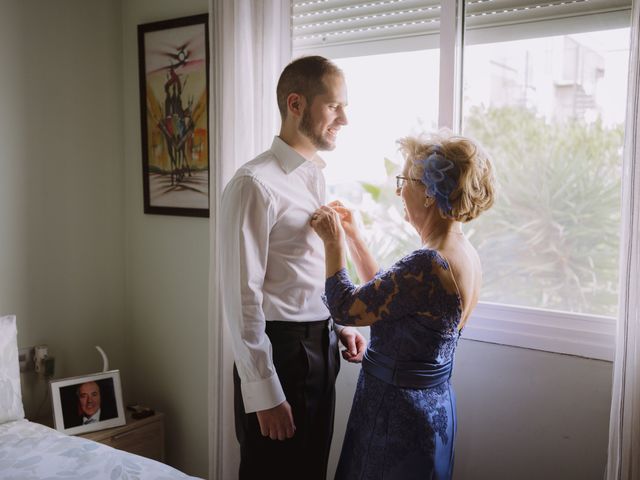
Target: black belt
405	374
301	328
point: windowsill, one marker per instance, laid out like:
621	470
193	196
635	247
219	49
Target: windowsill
582	335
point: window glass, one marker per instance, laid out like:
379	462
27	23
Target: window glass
390	96
550	111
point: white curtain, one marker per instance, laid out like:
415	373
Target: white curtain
624	429
250	43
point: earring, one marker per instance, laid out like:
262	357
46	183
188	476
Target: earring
428	201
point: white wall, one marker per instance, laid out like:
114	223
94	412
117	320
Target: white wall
167	264
71	215
529	415
61	188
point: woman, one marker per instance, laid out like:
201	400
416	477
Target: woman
403	421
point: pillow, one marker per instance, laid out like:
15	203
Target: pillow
10	395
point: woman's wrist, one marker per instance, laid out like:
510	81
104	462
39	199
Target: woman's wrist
354	238
335	258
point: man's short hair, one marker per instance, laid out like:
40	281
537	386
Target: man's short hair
304	76
86	383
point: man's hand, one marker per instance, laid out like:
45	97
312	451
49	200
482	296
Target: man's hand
355	344
277	422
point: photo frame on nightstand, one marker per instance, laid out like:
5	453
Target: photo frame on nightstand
88	402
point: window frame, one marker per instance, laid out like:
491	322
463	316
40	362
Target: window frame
583	335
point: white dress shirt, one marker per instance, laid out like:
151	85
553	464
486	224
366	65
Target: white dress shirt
92	419
272	261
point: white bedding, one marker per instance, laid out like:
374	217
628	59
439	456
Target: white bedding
32	451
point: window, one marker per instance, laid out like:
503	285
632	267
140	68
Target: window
551	110
543	89
361	170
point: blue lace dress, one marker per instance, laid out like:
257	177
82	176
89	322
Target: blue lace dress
401	432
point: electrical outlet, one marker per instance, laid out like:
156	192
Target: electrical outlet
26	358
40	356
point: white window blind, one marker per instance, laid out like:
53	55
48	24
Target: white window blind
322	23
489	13
319	24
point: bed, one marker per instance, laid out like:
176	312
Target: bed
32	451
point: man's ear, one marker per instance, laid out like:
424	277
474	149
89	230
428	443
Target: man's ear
296	104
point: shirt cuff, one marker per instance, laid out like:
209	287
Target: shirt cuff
262	394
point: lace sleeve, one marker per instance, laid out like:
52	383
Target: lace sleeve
410	286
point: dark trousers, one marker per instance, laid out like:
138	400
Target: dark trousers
306	358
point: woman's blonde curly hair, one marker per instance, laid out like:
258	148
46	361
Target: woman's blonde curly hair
475	191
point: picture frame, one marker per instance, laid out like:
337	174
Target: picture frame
87	403
173	59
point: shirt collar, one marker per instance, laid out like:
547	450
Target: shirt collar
290	159
95	416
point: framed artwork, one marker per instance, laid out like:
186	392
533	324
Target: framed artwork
173	58
87	403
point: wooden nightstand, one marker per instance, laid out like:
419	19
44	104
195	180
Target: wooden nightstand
143	437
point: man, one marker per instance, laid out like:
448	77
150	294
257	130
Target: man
89	406
89	402
284	342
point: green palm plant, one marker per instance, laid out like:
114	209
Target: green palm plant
551	240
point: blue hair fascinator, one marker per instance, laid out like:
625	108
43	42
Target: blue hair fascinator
440	178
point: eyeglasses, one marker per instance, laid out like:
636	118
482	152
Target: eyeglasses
401	181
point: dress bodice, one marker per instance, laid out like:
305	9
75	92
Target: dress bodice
413	307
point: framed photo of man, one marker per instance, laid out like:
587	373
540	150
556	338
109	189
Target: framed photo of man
87	403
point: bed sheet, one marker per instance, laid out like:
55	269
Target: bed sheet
32	451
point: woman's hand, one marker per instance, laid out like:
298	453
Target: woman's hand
346	218
365	264
326	223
